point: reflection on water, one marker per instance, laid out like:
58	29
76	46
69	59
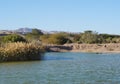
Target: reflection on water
64	68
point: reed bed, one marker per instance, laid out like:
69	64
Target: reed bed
20	52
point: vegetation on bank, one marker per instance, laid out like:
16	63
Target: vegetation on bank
58	39
13	38
34	35
88	37
20	51
22	47
18	47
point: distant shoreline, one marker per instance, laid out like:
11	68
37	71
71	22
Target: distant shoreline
90	48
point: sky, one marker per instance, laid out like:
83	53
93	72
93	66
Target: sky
102	16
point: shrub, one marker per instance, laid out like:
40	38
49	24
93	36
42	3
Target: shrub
55	39
13	38
45	38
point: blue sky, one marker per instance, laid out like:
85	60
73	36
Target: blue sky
102	16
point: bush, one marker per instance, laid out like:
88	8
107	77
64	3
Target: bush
55	39
44	38
13	38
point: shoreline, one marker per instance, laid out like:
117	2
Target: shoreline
88	48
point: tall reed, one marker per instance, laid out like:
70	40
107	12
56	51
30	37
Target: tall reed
20	51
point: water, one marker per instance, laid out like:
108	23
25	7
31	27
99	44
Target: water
64	68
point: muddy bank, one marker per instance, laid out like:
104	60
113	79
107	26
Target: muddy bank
98	48
58	48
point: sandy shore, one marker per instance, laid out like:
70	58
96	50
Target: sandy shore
93	48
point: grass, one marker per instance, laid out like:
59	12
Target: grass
20	52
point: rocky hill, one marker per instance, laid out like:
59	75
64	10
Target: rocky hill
23	30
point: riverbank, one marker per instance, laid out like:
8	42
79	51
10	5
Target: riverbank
92	48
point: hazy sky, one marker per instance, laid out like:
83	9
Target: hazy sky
61	15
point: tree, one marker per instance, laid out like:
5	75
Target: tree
89	37
34	35
37	32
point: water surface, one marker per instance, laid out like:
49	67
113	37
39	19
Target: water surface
64	68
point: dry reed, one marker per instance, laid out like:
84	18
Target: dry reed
21	51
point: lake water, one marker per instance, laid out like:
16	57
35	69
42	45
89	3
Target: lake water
64	68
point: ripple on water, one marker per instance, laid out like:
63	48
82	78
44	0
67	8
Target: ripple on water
64	68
